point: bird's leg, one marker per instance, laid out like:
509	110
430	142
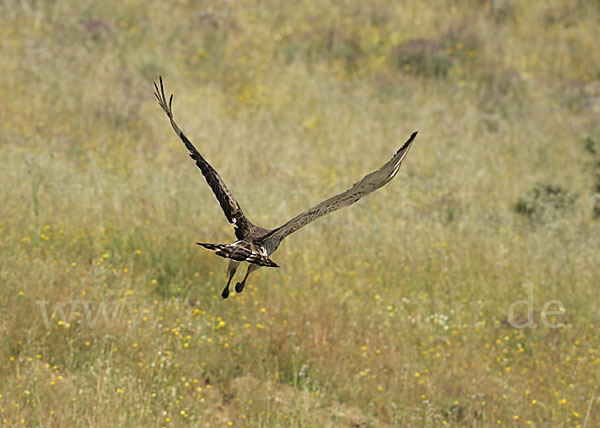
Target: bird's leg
240	285
225	292
233	265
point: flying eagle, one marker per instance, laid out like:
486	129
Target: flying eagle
255	244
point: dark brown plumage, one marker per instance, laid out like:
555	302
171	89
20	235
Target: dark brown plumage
255	244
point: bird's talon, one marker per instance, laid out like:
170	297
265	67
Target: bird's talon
225	293
239	287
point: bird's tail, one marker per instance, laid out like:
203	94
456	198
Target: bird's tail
240	251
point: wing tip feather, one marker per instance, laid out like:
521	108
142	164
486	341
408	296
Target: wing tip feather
410	140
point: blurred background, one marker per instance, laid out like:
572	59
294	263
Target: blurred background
464	293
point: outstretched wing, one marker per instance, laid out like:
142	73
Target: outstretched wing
368	184
230	207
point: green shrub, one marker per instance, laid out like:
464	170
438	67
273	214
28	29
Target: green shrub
545	201
596	206
590	145
423	57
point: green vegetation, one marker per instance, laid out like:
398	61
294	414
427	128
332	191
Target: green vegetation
399	311
545	200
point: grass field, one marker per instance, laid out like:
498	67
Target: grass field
464	293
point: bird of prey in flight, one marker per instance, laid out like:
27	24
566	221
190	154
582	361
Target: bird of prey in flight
255	244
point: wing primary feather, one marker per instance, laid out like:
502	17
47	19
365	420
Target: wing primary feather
229	205
369	183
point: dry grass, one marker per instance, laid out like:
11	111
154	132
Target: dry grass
391	313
